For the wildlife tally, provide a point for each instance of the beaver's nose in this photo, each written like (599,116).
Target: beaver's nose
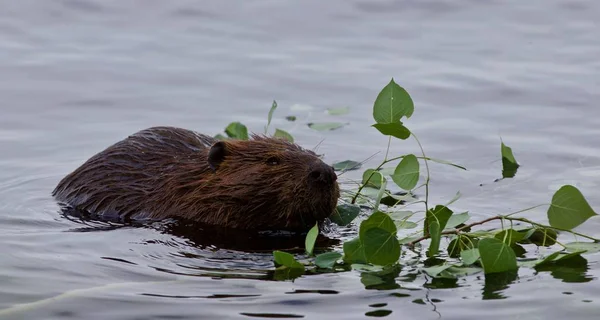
(322,173)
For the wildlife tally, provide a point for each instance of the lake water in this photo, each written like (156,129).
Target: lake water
(77,76)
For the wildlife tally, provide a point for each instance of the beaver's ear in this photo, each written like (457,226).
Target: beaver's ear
(217,154)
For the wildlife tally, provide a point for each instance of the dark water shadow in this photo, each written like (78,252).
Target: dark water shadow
(203,236)
(496,283)
(572,270)
(384,279)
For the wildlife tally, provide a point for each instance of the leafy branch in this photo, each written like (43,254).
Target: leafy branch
(377,248)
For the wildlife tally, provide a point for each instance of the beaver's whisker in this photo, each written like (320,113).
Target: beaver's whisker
(358,164)
(314,149)
(351,183)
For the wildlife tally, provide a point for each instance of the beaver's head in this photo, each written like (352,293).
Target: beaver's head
(270,183)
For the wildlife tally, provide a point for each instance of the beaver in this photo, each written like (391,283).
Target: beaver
(262,183)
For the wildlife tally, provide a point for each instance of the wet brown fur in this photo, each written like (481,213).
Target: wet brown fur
(163,172)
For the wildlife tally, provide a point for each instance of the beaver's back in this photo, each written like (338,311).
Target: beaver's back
(119,180)
(165,172)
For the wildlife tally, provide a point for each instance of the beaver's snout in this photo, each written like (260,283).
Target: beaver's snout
(322,173)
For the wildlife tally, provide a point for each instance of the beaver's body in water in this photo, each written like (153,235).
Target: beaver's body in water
(166,172)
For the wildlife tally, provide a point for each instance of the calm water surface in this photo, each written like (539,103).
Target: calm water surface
(76,76)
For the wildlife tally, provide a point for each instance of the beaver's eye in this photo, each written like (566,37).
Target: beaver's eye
(272,161)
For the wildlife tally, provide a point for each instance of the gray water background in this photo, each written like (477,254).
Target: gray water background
(76,76)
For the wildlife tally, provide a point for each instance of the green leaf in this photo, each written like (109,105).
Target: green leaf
(441,214)
(290,118)
(410,238)
(370,192)
(270,116)
(370,280)
(406,175)
(377,235)
(380,194)
(377,220)
(496,256)
(325,126)
(392,103)
(405,224)
(509,164)
(460,243)
(311,238)
(528,263)
(400,215)
(569,208)
(435,233)
(457,219)
(220,137)
(462,271)
(285,273)
(469,256)
(361,267)
(387,171)
(391,200)
(327,260)
(539,236)
(283,134)
(381,247)
(338,111)
(344,214)
(372,178)
(507,153)
(588,247)
(568,256)
(548,259)
(528,232)
(382,279)
(557,257)
(354,251)
(397,130)
(237,130)
(436,270)
(435,221)
(346,165)
(284,259)
(510,236)
(518,250)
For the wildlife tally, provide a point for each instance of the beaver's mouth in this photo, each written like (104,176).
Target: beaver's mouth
(321,205)
(327,202)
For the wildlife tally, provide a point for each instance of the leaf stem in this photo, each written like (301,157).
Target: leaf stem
(384,162)
(387,151)
(501,217)
(456,231)
(523,210)
(555,228)
(426,167)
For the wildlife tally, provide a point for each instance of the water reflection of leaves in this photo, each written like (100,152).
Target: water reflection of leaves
(384,279)
(572,270)
(496,283)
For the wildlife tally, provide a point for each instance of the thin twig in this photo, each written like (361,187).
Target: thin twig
(358,164)
(456,231)
(426,167)
(461,229)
